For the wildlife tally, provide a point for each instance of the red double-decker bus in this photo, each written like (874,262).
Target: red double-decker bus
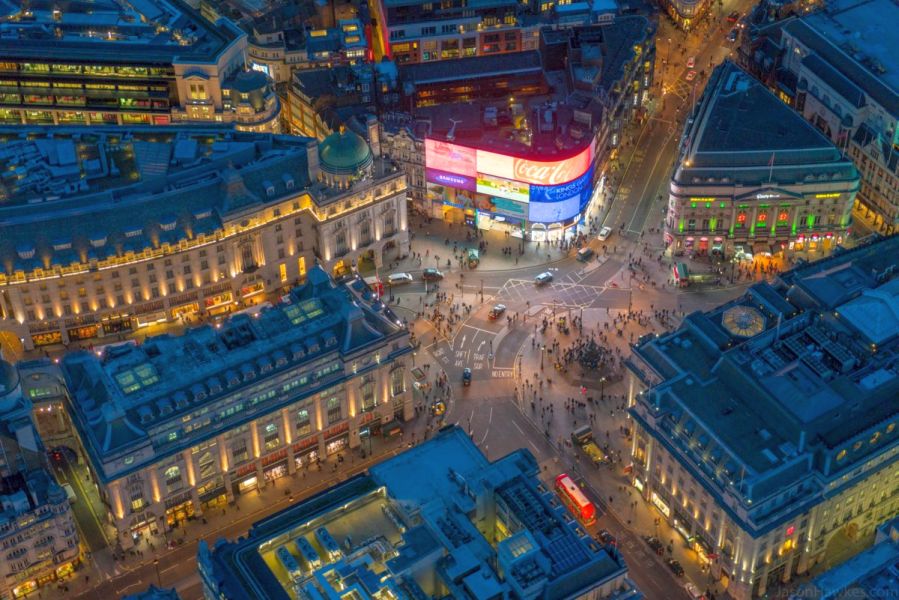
(573,498)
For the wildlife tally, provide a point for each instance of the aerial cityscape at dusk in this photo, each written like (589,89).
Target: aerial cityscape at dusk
(290,292)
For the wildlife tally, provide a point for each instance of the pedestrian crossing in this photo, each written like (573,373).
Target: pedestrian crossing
(682,89)
(564,294)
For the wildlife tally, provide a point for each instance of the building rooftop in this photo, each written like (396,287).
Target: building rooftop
(786,372)
(857,39)
(154,593)
(25,492)
(531,128)
(602,51)
(131,188)
(873,573)
(742,133)
(415,527)
(134,400)
(473,67)
(144,32)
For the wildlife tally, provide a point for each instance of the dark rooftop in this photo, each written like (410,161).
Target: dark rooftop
(807,366)
(472,68)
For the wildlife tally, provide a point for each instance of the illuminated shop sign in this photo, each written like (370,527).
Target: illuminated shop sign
(451,179)
(509,208)
(660,504)
(831,195)
(552,204)
(533,171)
(451,158)
(503,188)
(470,162)
(262,68)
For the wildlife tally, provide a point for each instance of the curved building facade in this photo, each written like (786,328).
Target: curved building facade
(156,63)
(113,229)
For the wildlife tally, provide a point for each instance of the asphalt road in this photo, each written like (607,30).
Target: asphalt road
(487,408)
(87,517)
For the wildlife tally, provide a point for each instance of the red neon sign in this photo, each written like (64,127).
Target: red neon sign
(467,161)
(451,158)
(538,172)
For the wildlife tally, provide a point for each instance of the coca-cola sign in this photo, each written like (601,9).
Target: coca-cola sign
(534,171)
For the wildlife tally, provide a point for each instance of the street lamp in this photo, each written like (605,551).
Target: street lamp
(602,388)
(542,355)
(156,566)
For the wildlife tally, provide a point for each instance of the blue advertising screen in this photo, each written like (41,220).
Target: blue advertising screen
(552,204)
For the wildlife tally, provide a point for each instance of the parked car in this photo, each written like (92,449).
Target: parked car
(691,62)
(496,312)
(543,278)
(584,254)
(733,17)
(431,274)
(675,567)
(604,233)
(399,278)
(466,376)
(656,544)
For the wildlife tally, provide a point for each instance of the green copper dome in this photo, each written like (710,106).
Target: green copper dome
(344,152)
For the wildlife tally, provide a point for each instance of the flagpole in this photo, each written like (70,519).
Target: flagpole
(771,167)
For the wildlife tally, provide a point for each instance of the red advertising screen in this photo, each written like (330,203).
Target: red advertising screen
(451,158)
(532,171)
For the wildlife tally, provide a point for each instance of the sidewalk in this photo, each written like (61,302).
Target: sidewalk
(552,412)
(437,241)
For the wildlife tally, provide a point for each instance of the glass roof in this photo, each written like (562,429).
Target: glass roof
(304,311)
(141,376)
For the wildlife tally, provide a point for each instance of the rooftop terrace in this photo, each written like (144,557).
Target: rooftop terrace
(409,529)
(164,32)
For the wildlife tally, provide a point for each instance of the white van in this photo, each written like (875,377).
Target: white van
(399,278)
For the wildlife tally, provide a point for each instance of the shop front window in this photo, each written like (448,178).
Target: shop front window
(272,440)
(173,480)
(304,425)
(239,452)
(335,410)
(368,395)
(207,466)
(397,381)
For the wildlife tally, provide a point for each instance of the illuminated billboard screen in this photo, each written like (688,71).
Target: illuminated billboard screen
(533,171)
(451,180)
(505,207)
(451,158)
(556,203)
(503,188)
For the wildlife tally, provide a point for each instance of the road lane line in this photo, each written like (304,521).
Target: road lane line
(520,430)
